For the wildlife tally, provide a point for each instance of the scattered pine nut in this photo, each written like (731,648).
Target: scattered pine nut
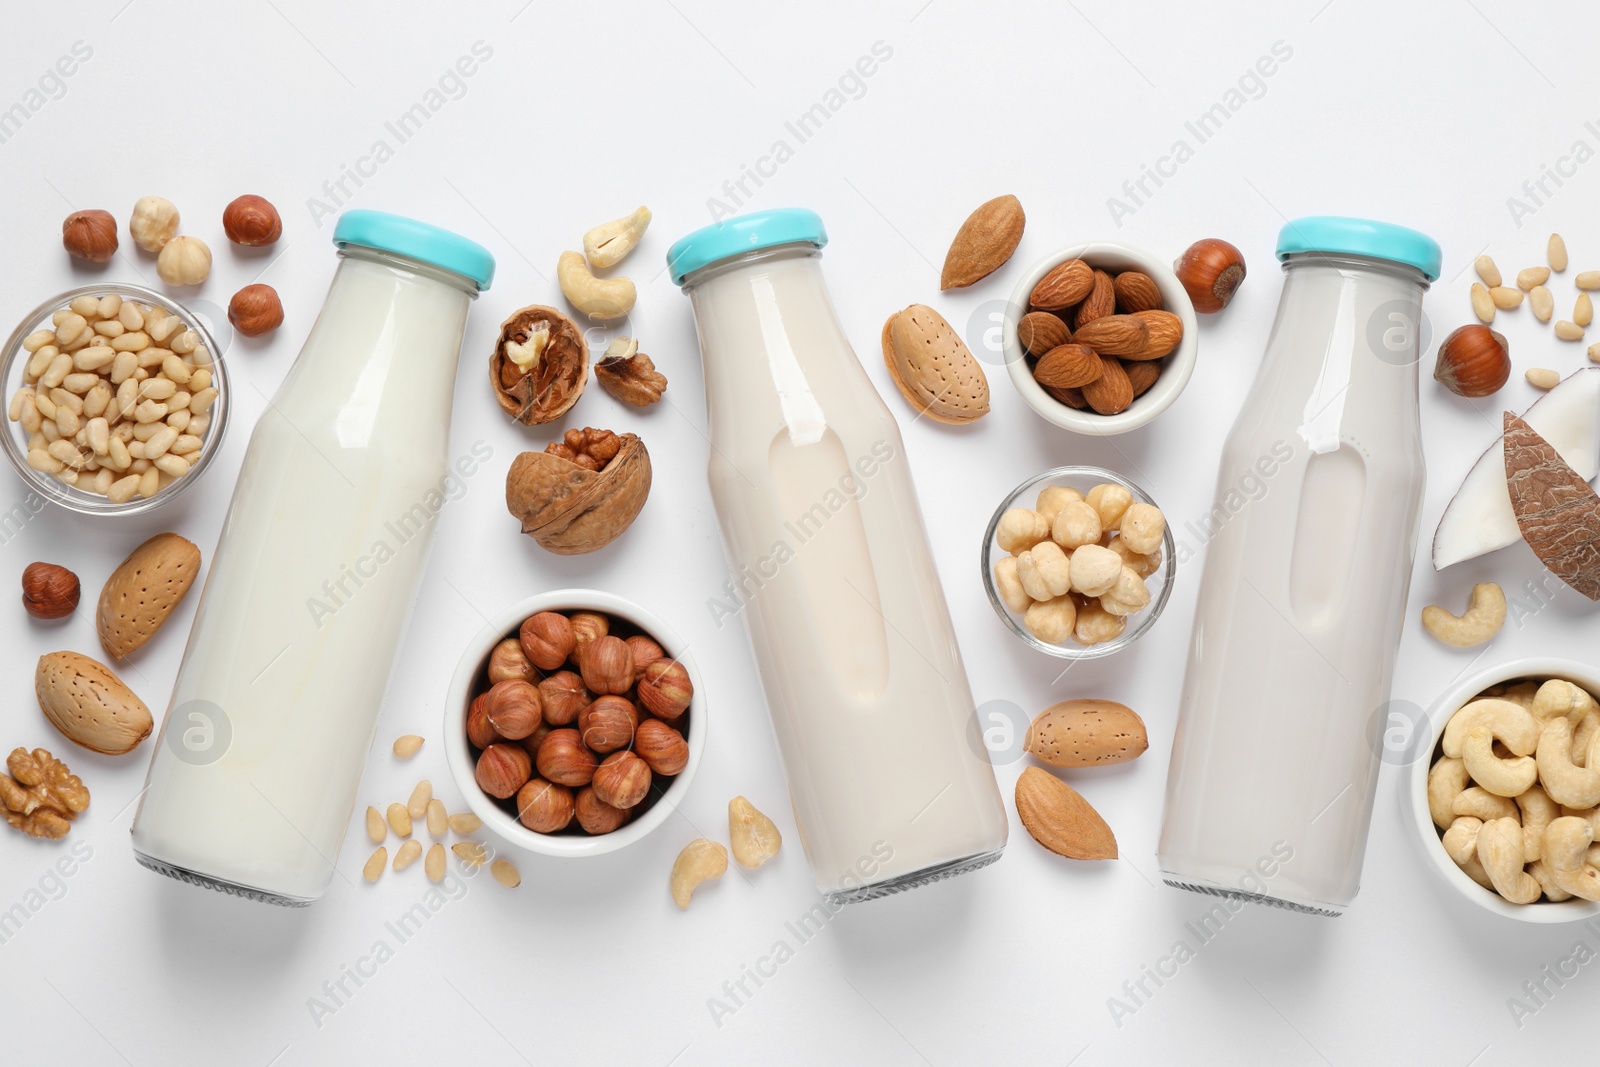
(1543,378)
(375,864)
(1505,297)
(1569,331)
(1583,310)
(1556,253)
(1543,303)
(375,827)
(1594,353)
(465,823)
(1487,271)
(409,853)
(1532,276)
(400,820)
(433,866)
(417,806)
(505,873)
(472,853)
(407,746)
(438,822)
(1589,279)
(1482,304)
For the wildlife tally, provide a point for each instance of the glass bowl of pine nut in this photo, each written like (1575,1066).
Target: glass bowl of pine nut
(116,399)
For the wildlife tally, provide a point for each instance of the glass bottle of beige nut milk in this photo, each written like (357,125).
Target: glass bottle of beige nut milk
(890,781)
(254,775)
(1275,762)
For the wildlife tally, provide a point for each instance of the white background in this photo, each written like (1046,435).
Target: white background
(1428,114)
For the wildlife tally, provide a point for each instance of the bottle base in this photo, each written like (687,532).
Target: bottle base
(927,876)
(1196,885)
(205,881)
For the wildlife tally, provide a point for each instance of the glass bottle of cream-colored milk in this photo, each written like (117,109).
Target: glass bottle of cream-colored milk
(254,775)
(1308,561)
(890,780)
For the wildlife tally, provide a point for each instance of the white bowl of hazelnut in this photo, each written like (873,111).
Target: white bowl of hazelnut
(574,723)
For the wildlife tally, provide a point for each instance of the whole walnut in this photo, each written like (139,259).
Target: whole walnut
(580,493)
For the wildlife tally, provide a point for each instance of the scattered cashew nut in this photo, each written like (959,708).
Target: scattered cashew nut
(598,298)
(1510,723)
(700,861)
(1500,852)
(609,243)
(1485,614)
(754,837)
(1566,842)
(1538,812)
(1479,802)
(1502,777)
(1446,781)
(1568,784)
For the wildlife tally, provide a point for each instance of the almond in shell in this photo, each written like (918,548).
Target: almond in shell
(1040,331)
(1068,367)
(144,589)
(1061,820)
(1087,733)
(1136,291)
(984,242)
(1114,335)
(932,366)
(1112,391)
(1066,284)
(1164,329)
(1100,302)
(89,704)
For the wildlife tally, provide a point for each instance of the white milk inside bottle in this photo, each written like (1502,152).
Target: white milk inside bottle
(254,774)
(890,780)
(1279,737)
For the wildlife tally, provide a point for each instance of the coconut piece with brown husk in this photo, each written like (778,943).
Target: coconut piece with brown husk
(539,366)
(581,492)
(1557,511)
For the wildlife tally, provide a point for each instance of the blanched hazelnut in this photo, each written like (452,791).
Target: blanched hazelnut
(1021,529)
(1144,564)
(479,732)
(1044,571)
(1094,569)
(1110,501)
(1095,624)
(595,815)
(544,807)
(547,639)
(514,708)
(255,309)
(184,261)
(1051,621)
(1009,585)
(665,690)
(606,664)
(564,760)
(564,697)
(502,769)
(1128,595)
(607,724)
(660,746)
(1052,498)
(1078,523)
(1142,527)
(90,235)
(251,220)
(154,223)
(622,780)
(507,662)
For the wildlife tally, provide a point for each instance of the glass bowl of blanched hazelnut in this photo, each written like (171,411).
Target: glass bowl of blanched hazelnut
(115,399)
(1078,562)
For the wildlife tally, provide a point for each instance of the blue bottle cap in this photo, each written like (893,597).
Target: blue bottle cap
(743,233)
(416,240)
(1360,237)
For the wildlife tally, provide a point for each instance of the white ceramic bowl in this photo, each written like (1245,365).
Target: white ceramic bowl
(1175,373)
(466,681)
(1538,668)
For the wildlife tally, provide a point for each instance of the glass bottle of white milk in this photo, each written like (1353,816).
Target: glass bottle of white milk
(889,778)
(254,775)
(1308,562)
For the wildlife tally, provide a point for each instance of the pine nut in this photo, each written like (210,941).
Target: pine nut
(70,328)
(149,482)
(131,317)
(1529,277)
(465,823)
(59,368)
(202,400)
(400,820)
(102,481)
(162,329)
(200,379)
(1569,331)
(42,460)
(149,411)
(1589,279)
(434,864)
(409,853)
(157,389)
(179,420)
(67,476)
(14,411)
(137,341)
(1583,310)
(1482,305)
(1594,353)
(377,829)
(79,383)
(170,465)
(96,400)
(122,489)
(110,305)
(110,329)
(1543,378)
(505,873)
(1556,253)
(1543,303)
(117,454)
(184,342)
(375,864)
(41,361)
(472,853)
(438,821)
(93,357)
(185,444)
(1505,297)
(159,442)
(99,436)
(417,806)
(406,745)
(1487,271)
(40,338)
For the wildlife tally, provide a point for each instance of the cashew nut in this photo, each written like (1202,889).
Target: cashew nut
(1588,815)
(1520,693)
(1474,870)
(1446,780)
(1479,802)
(755,838)
(1506,778)
(1538,811)
(1560,697)
(1567,783)
(1485,614)
(598,298)
(1461,840)
(1547,882)
(1583,737)
(1566,842)
(1500,852)
(700,861)
(1510,723)
(608,243)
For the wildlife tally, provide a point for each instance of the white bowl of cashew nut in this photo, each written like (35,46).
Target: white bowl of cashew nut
(1507,803)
